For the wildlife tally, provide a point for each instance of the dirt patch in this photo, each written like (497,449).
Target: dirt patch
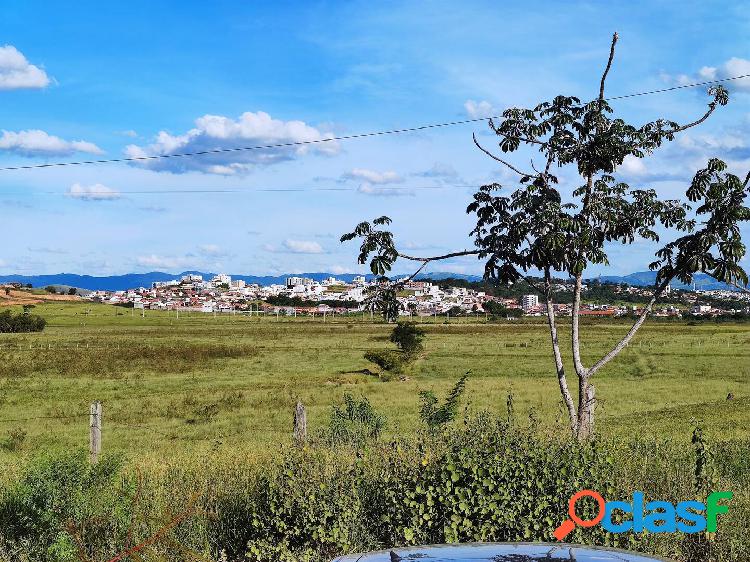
(20,298)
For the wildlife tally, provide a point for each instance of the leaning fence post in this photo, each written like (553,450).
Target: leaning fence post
(300,423)
(95,431)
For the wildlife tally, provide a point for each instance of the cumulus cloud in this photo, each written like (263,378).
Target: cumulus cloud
(95,192)
(17,73)
(372,176)
(633,166)
(480,109)
(35,142)
(303,247)
(214,132)
(735,66)
(373,182)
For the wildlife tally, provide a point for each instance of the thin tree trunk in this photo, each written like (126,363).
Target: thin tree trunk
(629,336)
(559,366)
(575,327)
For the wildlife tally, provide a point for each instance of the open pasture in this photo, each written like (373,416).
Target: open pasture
(199,383)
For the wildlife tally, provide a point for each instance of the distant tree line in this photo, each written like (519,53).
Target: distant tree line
(283,300)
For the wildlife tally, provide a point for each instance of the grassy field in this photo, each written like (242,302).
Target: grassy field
(201,383)
(200,404)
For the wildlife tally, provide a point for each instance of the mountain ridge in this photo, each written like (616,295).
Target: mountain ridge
(135,280)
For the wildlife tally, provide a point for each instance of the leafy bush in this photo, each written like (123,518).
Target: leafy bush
(16,323)
(408,338)
(355,422)
(56,494)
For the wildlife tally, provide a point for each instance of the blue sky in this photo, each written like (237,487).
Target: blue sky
(84,80)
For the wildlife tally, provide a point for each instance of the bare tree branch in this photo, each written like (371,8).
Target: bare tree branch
(711,108)
(606,70)
(747,180)
(427,260)
(438,258)
(508,164)
(629,336)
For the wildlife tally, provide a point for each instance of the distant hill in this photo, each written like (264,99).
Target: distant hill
(135,280)
(648,278)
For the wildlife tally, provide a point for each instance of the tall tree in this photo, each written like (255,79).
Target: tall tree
(536,230)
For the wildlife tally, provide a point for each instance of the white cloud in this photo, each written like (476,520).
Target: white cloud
(164,262)
(372,176)
(633,166)
(733,67)
(95,192)
(129,133)
(339,269)
(212,132)
(303,247)
(17,73)
(35,142)
(480,109)
(3,263)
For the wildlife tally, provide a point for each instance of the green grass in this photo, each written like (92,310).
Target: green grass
(202,383)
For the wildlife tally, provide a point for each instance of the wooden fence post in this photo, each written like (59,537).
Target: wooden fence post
(95,431)
(300,423)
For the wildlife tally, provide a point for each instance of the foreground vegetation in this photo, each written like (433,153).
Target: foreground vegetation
(482,479)
(197,424)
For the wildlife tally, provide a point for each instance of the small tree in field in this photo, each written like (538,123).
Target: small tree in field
(408,338)
(534,229)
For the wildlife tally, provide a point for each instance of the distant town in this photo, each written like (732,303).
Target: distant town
(305,296)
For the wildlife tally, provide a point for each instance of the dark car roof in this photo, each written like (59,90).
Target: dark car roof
(501,552)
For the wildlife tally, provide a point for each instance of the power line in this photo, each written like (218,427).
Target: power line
(334,139)
(248,148)
(671,89)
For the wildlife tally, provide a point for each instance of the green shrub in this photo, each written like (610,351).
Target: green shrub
(408,338)
(386,359)
(57,494)
(16,323)
(355,422)
(14,440)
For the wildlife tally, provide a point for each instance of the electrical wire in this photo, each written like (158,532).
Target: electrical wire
(335,138)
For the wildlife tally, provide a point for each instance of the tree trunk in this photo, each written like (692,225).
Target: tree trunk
(559,366)
(586,407)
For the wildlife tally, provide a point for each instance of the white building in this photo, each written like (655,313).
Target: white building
(359,280)
(529,301)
